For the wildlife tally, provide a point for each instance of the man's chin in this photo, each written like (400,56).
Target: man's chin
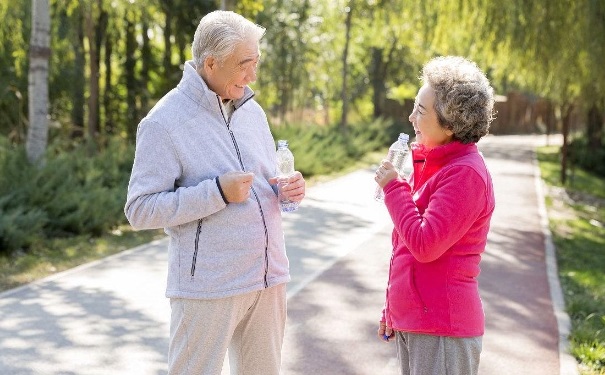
(238,93)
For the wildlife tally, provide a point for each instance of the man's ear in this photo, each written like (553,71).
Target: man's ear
(210,64)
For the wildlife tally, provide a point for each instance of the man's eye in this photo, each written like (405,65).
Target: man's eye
(248,65)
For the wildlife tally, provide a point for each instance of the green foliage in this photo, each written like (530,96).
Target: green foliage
(13,68)
(20,224)
(71,194)
(577,222)
(323,150)
(579,180)
(581,256)
(585,157)
(78,194)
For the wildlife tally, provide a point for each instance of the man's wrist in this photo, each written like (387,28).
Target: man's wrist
(220,190)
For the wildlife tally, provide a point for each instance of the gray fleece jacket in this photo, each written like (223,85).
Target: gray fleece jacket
(185,142)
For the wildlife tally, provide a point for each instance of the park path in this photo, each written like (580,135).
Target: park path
(110,316)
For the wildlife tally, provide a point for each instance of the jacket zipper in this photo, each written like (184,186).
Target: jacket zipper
(197,242)
(420,175)
(262,214)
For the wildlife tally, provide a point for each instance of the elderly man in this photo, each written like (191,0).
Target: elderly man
(205,171)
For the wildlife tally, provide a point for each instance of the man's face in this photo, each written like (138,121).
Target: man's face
(229,78)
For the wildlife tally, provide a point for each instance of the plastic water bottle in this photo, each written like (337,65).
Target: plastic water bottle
(398,153)
(285,168)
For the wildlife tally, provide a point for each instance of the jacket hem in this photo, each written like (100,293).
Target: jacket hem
(170,293)
(442,333)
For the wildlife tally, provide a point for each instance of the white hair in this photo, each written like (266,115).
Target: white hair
(218,34)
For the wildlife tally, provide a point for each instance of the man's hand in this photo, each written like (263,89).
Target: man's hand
(236,185)
(293,188)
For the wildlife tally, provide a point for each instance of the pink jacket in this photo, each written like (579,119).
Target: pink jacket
(441,221)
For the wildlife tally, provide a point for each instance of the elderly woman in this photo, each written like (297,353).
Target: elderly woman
(441,218)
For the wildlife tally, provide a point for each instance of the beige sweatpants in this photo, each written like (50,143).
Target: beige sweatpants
(250,325)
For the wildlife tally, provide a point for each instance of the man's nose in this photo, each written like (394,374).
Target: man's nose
(251,74)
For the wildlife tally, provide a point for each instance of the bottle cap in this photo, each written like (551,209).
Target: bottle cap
(404,137)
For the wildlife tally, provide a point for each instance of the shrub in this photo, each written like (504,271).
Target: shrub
(587,158)
(72,194)
(326,149)
(75,193)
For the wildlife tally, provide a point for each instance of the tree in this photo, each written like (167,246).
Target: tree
(14,62)
(228,4)
(37,135)
(284,53)
(92,12)
(345,67)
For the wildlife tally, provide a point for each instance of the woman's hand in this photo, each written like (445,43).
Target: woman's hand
(385,333)
(385,173)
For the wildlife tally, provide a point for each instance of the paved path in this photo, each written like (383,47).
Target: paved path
(110,316)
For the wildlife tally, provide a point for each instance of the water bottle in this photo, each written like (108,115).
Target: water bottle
(398,153)
(285,168)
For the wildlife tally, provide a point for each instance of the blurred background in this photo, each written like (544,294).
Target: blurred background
(337,80)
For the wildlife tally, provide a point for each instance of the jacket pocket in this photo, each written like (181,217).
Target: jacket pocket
(415,290)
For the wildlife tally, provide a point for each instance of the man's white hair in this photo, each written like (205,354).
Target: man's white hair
(218,34)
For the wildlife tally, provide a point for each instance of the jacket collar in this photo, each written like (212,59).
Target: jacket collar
(441,155)
(194,86)
(428,161)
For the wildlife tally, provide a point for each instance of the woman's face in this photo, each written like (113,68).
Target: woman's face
(229,78)
(424,119)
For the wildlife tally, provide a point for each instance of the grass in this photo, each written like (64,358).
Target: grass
(577,222)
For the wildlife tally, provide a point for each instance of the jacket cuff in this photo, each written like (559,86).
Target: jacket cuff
(220,190)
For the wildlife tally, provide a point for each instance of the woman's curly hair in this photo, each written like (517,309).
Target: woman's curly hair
(464,99)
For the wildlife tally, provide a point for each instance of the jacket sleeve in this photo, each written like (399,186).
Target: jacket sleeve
(457,200)
(154,200)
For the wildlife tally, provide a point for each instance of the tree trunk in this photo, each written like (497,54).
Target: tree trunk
(167,61)
(93,62)
(377,77)
(107,94)
(37,135)
(146,58)
(228,4)
(100,35)
(345,71)
(131,82)
(79,82)
(594,128)
(566,111)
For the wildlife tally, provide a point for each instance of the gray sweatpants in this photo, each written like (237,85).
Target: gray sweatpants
(250,325)
(438,355)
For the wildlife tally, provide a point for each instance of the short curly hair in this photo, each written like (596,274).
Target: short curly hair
(464,98)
